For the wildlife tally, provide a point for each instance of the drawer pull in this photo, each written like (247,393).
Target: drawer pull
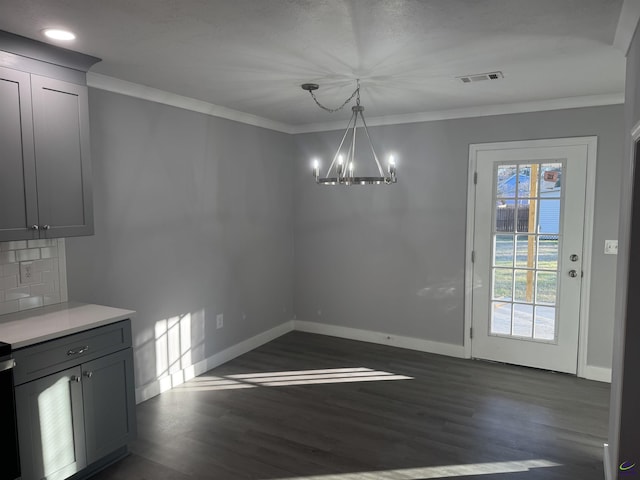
(88,374)
(78,351)
(75,378)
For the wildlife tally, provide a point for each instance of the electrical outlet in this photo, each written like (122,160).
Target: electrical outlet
(219,321)
(26,272)
(611,247)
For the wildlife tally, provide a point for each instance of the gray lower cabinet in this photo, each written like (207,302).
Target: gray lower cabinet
(50,416)
(109,403)
(72,420)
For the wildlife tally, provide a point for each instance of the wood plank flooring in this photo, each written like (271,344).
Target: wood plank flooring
(450,418)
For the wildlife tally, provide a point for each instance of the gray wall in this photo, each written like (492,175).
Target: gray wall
(197,215)
(391,259)
(624,415)
(193,216)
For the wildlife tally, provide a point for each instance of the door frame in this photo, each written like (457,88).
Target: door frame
(591,142)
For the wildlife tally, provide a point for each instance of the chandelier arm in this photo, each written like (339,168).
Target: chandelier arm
(332,110)
(353,146)
(375,157)
(335,157)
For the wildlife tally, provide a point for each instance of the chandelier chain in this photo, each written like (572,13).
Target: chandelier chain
(348,100)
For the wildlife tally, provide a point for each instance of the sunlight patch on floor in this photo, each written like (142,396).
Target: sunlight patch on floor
(445,471)
(288,378)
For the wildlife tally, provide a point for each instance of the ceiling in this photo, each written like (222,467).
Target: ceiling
(252,55)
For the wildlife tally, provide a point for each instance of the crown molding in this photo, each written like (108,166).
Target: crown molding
(115,85)
(45,52)
(123,87)
(627,24)
(480,111)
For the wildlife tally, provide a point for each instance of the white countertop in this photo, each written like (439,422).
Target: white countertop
(29,327)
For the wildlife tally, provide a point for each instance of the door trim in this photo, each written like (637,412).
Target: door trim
(591,143)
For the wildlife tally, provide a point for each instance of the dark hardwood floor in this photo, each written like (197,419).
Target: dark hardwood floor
(450,418)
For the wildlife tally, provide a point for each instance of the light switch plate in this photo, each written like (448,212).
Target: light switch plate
(611,247)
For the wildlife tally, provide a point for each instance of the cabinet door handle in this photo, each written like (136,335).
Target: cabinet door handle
(46,227)
(75,378)
(7,365)
(78,351)
(35,227)
(88,374)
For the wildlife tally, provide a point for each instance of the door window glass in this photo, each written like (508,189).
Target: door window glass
(526,246)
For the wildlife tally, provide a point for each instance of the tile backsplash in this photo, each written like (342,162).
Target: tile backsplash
(33,273)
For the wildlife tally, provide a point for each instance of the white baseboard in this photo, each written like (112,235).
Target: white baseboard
(166,383)
(380,338)
(156,387)
(606,459)
(599,374)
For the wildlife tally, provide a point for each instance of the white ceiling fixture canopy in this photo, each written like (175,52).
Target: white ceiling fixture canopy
(251,55)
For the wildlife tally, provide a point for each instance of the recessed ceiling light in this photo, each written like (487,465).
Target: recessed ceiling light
(58,34)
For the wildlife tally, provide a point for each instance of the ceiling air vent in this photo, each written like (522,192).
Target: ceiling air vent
(480,77)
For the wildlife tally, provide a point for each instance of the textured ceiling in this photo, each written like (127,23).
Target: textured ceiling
(252,55)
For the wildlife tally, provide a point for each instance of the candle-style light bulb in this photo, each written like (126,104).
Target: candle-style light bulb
(316,168)
(340,167)
(392,170)
(351,168)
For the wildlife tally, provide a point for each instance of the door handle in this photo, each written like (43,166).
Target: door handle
(573,273)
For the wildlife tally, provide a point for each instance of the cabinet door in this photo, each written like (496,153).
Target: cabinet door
(50,421)
(18,202)
(61,132)
(109,403)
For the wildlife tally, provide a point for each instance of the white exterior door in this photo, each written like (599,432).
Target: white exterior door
(528,252)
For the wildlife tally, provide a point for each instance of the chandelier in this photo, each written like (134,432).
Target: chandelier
(343,166)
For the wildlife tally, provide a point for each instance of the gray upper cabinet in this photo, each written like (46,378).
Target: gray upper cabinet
(61,137)
(18,201)
(45,167)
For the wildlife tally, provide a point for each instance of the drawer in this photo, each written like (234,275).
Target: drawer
(69,351)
